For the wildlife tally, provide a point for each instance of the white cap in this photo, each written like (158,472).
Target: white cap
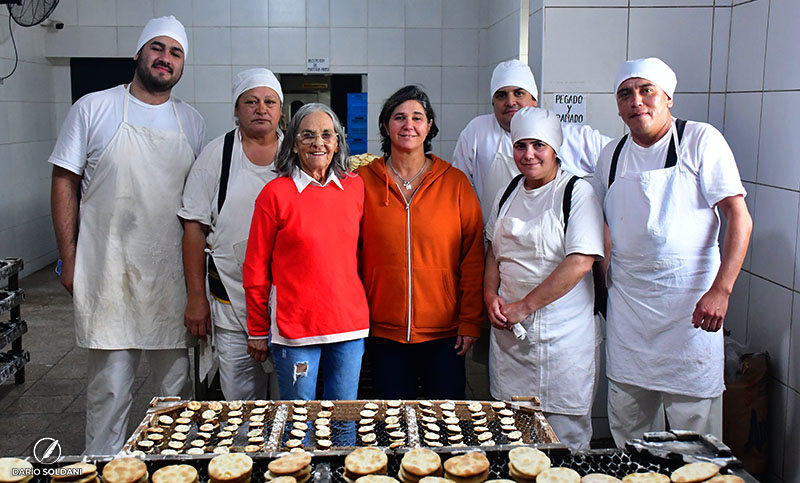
(536,123)
(513,73)
(653,69)
(259,77)
(169,26)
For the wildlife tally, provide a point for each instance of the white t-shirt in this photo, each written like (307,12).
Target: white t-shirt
(200,194)
(94,119)
(703,150)
(478,144)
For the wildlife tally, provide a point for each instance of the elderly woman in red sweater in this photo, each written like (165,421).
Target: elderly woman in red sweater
(421,257)
(305,301)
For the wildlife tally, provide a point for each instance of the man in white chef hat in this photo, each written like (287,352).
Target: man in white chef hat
(125,153)
(661,188)
(484,149)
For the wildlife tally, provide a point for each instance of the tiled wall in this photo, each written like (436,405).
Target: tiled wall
(29,103)
(737,68)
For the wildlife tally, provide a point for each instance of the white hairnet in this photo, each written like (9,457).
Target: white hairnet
(513,73)
(259,77)
(169,26)
(536,123)
(653,69)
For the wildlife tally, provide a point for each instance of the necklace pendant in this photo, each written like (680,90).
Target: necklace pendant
(407,185)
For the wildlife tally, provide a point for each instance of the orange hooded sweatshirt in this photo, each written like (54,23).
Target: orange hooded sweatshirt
(422,267)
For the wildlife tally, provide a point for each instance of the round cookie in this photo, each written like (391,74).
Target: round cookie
(558,475)
(175,474)
(124,470)
(230,467)
(694,472)
(421,462)
(650,477)
(467,465)
(365,461)
(599,478)
(289,464)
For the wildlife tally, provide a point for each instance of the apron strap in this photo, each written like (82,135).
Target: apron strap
(672,152)
(227,152)
(509,189)
(566,205)
(612,172)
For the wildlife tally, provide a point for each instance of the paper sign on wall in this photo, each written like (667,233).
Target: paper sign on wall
(570,107)
(319,64)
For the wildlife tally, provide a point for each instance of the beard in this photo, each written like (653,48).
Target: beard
(153,83)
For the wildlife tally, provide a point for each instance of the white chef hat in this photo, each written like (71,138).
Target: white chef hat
(653,69)
(536,123)
(169,26)
(259,77)
(513,73)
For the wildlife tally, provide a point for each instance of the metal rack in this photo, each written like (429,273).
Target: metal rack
(12,362)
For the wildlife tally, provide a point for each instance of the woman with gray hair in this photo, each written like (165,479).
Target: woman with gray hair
(305,302)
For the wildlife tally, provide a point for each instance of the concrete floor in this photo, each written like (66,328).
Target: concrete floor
(52,401)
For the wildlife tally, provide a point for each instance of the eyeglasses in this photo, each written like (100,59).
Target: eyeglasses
(308,137)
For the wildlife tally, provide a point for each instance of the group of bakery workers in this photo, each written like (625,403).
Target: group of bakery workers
(286,263)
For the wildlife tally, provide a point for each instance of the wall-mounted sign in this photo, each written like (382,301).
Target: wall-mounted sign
(570,107)
(319,64)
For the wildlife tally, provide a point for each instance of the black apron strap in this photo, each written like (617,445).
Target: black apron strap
(509,189)
(567,203)
(672,153)
(612,172)
(225,171)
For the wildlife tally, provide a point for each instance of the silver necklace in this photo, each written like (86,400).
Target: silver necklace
(406,182)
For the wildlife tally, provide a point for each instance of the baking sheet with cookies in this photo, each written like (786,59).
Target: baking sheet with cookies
(173,427)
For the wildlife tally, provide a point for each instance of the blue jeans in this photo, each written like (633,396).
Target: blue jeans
(297,369)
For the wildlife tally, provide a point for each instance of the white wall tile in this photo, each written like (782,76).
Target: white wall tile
(460,47)
(348,13)
(452,120)
(503,40)
(595,48)
(750,200)
(483,47)
(348,46)
(287,13)
(134,13)
(373,111)
(719,48)
(211,13)
(671,3)
(748,42)
(249,13)
(250,45)
(446,149)
(460,13)
(779,151)
(318,43)
(777,420)
(742,116)
(792,442)
(585,3)
(681,37)
(794,352)
(181,9)
(535,41)
(386,13)
(460,85)
(736,318)
(66,12)
(386,46)
(318,13)
(601,114)
(218,116)
(775,234)
(498,10)
(83,42)
(184,89)
(383,81)
(212,83)
(722,3)
(716,111)
(782,62)
(423,46)
(97,12)
(287,46)
(768,326)
(691,106)
(212,46)
(127,37)
(423,13)
(62,87)
(429,79)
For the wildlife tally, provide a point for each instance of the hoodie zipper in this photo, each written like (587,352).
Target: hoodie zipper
(408,252)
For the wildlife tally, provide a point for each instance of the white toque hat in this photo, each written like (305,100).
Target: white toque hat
(259,77)
(513,73)
(169,26)
(536,123)
(653,69)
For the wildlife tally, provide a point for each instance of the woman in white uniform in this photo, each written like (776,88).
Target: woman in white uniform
(543,239)
(220,229)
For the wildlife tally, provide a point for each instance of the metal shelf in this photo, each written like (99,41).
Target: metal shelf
(10,299)
(10,266)
(10,331)
(11,363)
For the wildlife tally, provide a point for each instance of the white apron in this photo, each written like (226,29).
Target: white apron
(665,257)
(501,172)
(557,360)
(129,289)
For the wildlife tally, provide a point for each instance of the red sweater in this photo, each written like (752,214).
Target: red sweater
(303,246)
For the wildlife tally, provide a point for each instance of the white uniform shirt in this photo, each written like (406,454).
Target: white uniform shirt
(478,144)
(200,197)
(94,119)
(658,272)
